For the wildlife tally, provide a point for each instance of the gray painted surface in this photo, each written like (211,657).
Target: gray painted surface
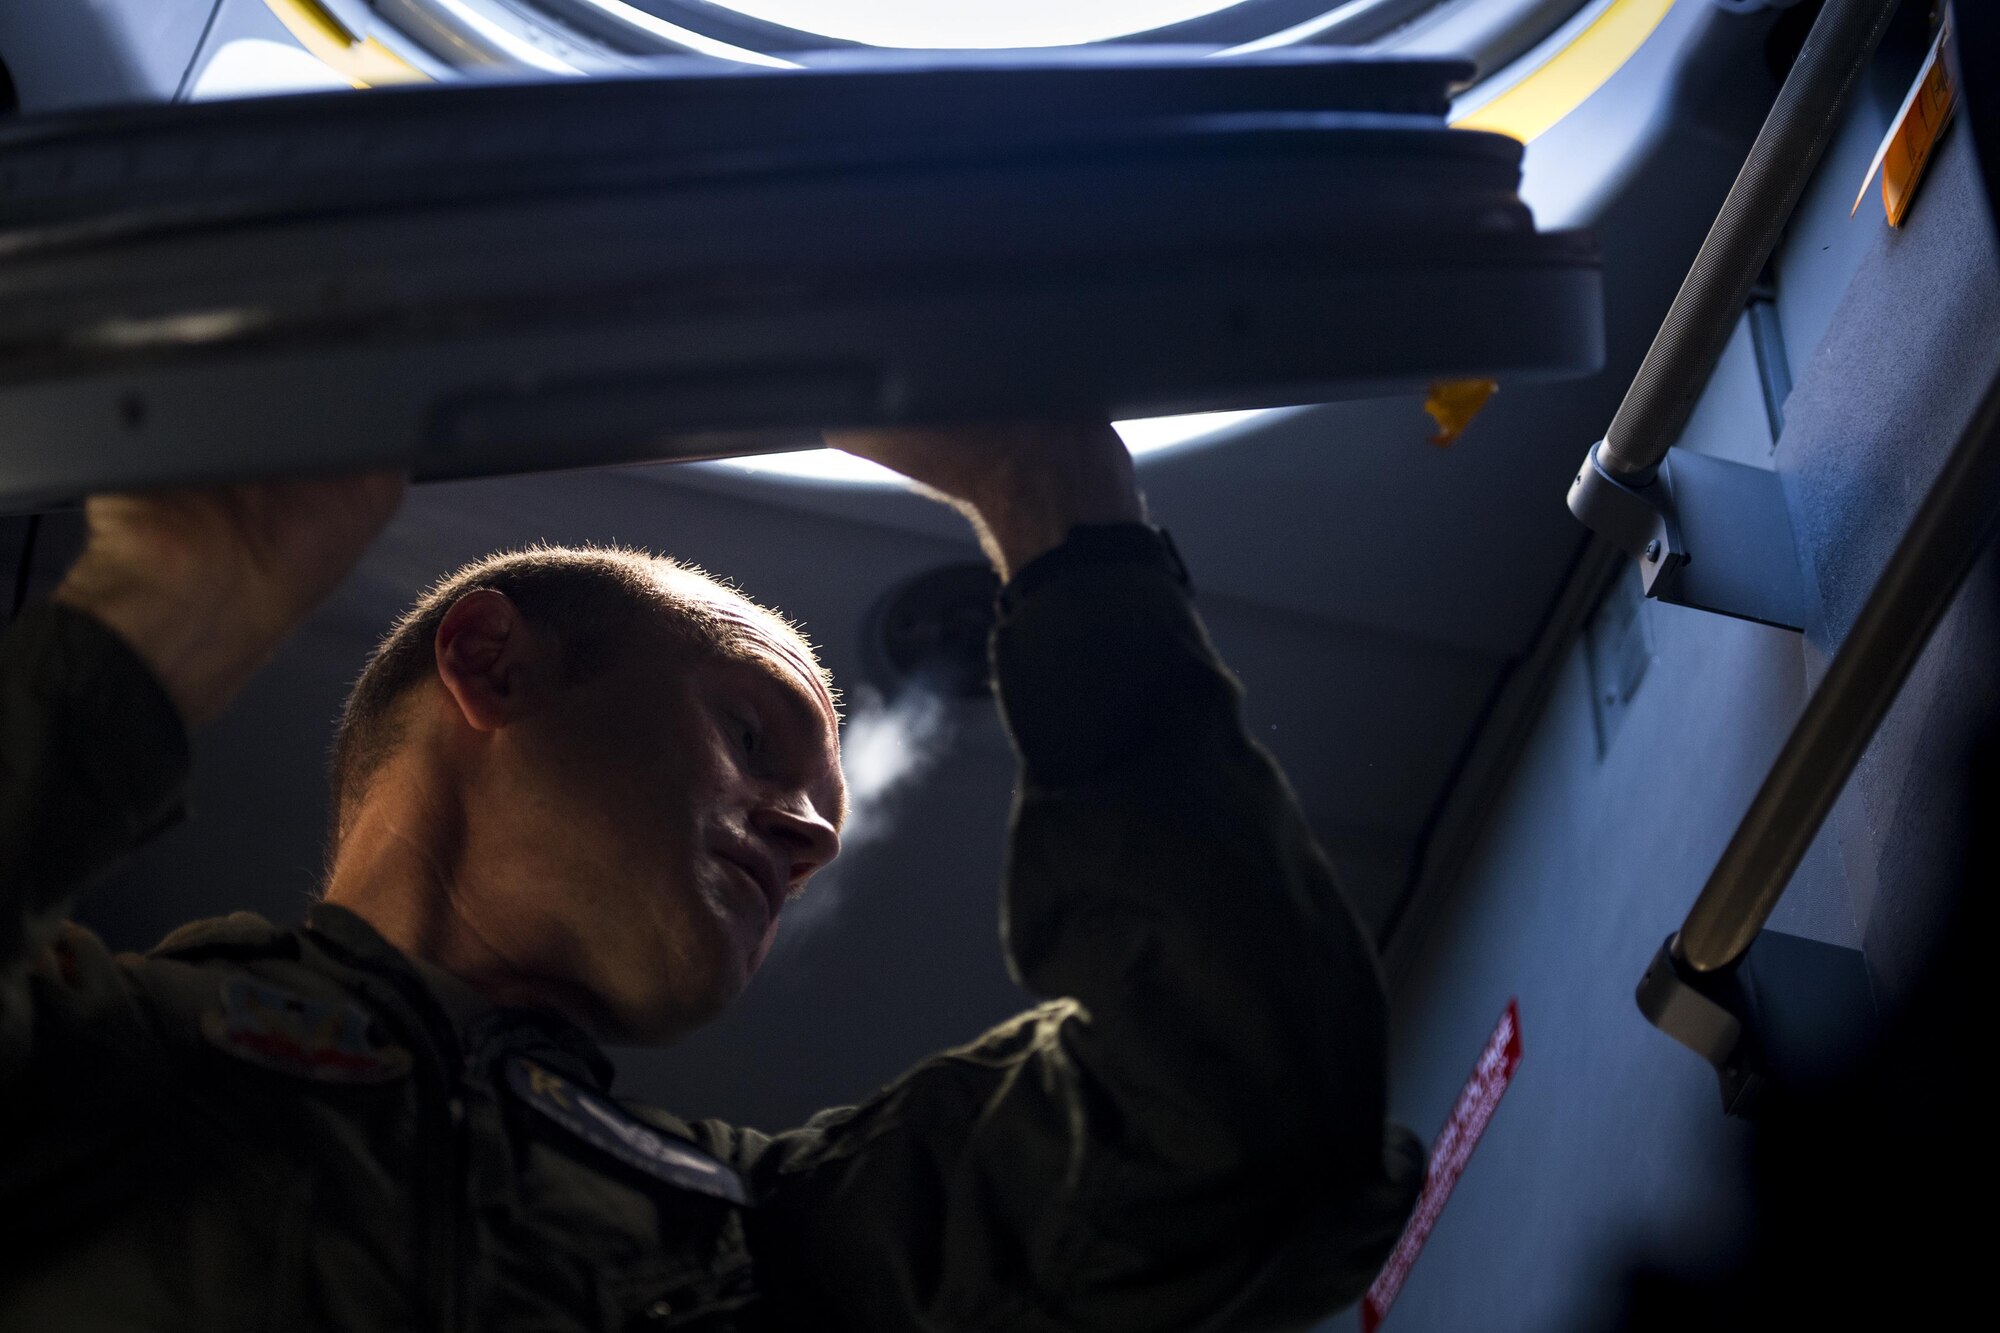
(99,52)
(1611,1144)
(1730,421)
(1611,1136)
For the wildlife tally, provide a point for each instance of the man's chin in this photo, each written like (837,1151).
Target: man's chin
(663,1020)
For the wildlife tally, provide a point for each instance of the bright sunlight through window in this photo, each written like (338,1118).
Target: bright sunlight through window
(975,23)
(1141,437)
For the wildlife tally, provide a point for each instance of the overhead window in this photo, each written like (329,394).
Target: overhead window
(771,26)
(1506,40)
(975,23)
(584,34)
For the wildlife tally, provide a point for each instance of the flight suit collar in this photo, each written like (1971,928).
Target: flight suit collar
(482,1032)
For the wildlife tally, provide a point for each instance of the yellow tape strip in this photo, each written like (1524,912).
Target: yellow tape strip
(1553,89)
(1524,111)
(1562,82)
(365,63)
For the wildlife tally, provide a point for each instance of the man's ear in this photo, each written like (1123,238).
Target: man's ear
(490,661)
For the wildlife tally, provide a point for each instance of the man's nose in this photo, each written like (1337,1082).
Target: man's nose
(800,834)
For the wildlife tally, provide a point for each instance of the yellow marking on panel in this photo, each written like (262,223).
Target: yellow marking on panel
(1563,81)
(1524,111)
(1453,404)
(365,63)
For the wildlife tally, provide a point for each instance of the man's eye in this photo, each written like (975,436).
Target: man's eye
(748,735)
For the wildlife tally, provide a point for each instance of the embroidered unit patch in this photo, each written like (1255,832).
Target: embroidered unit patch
(329,1040)
(604,1124)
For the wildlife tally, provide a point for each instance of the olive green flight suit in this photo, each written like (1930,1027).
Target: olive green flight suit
(1189,1133)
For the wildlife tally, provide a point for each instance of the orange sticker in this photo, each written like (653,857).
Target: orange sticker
(1454,403)
(1915,130)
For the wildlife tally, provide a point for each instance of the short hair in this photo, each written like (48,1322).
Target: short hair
(589,599)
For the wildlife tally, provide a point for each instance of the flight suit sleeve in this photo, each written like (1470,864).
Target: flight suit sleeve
(1190,1133)
(93,760)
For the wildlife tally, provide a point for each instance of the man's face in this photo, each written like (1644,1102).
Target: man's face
(652,821)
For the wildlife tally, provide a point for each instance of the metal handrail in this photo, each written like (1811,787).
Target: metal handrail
(1952,526)
(1704,313)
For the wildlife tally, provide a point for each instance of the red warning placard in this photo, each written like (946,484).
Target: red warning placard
(1449,1154)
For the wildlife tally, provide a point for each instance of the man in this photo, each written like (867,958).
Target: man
(574,812)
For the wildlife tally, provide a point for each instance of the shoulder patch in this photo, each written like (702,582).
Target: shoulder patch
(332,1041)
(605,1125)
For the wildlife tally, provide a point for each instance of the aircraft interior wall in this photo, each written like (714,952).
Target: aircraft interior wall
(1609,1148)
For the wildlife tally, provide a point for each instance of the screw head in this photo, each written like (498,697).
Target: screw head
(1652,551)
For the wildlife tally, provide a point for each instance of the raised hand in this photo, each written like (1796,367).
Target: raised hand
(1024,485)
(205,583)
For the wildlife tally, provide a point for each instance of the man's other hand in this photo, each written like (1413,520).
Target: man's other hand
(206,583)
(1024,485)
